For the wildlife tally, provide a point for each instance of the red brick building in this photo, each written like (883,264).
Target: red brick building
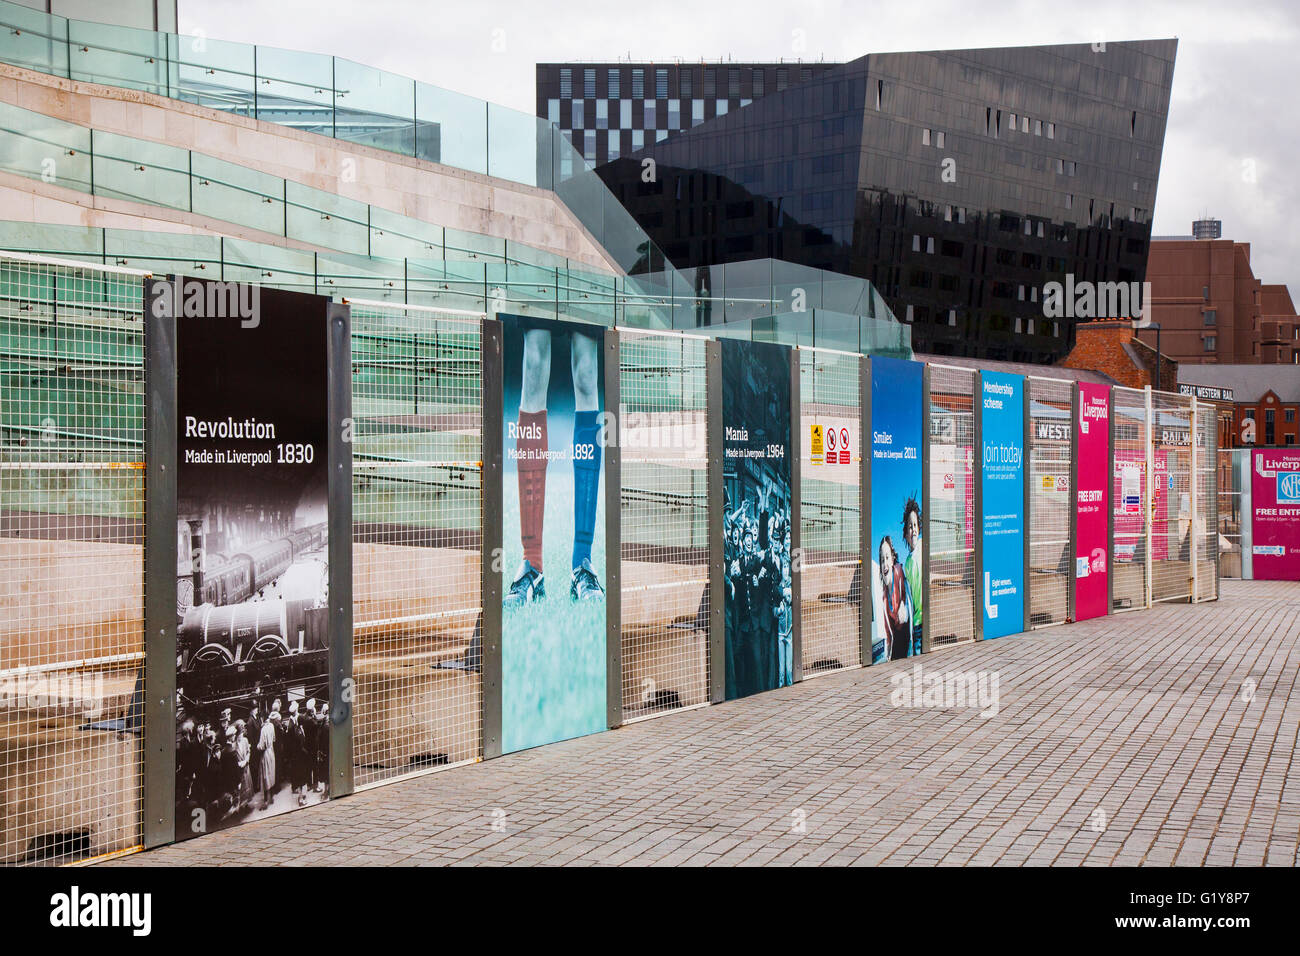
(1212,309)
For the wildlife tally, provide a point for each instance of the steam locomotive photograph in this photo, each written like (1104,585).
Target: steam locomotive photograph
(252,575)
(252,660)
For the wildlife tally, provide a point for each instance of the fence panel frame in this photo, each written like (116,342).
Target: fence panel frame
(859,413)
(340,549)
(493,584)
(613,464)
(717,567)
(160,558)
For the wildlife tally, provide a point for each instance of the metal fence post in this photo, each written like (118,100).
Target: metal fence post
(160,545)
(1072,553)
(795,458)
(927,605)
(613,537)
(1110,499)
(977,501)
(491,585)
(864,523)
(1149,505)
(717,572)
(1193,535)
(342,688)
(1026,507)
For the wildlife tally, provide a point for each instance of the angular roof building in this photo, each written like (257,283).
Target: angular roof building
(958,182)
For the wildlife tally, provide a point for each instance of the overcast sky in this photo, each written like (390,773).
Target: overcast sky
(1233,141)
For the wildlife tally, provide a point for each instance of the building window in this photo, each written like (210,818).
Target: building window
(1289,414)
(1211,316)
(1211,343)
(589,84)
(733,83)
(553,112)
(684,84)
(1038,127)
(939,139)
(916,243)
(589,145)
(697,112)
(783,80)
(661,84)
(674,114)
(757,77)
(613,92)
(710,83)
(575,118)
(638,84)
(1205,293)
(566,84)
(602,114)
(1024,124)
(638,139)
(1051,131)
(721,108)
(613,143)
(624,114)
(649,115)
(925,137)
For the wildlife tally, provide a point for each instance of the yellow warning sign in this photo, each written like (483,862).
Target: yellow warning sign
(816,445)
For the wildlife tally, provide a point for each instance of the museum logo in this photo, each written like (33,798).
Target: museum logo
(203,299)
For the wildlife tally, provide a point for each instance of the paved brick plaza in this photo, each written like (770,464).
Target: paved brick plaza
(1141,715)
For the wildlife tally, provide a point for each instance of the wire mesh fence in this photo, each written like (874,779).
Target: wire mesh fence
(950,608)
(417,511)
(1051,499)
(1230,512)
(665,523)
(1171,507)
(1206,526)
(830,398)
(1130,496)
(71,560)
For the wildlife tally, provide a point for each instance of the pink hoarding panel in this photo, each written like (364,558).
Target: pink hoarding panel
(1275,514)
(1092,554)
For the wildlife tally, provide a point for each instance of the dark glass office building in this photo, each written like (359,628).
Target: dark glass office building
(958,182)
(613,109)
